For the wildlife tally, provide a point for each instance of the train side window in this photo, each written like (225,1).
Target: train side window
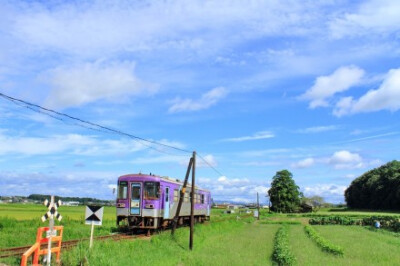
(202,198)
(176,195)
(186,198)
(123,190)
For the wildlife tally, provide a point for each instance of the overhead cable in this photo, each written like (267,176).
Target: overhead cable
(92,126)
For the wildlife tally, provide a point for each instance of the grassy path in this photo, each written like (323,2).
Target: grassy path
(307,252)
(225,243)
(363,247)
(252,245)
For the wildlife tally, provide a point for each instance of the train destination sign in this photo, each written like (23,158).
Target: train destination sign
(94,215)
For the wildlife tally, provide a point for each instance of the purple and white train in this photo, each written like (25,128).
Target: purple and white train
(150,202)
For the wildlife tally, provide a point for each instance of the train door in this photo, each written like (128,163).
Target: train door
(135,198)
(166,203)
(208,205)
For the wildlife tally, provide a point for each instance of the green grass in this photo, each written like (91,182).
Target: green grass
(226,240)
(19,223)
(362,246)
(224,243)
(307,252)
(36,211)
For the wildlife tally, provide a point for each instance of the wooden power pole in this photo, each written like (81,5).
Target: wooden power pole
(192,202)
(191,167)
(258,208)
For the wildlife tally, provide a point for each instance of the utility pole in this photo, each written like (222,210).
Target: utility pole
(182,195)
(192,202)
(258,208)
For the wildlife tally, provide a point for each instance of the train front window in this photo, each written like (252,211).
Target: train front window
(123,190)
(151,190)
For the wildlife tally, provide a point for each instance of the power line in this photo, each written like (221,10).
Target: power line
(90,123)
(53,114)
(210,165)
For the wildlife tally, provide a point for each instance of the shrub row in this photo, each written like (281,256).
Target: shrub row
(322,242)
(387,222)
(342,220)
(282,254)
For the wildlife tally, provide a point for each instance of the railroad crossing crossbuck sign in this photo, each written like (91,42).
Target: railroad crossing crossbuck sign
(52,206)
(94,214)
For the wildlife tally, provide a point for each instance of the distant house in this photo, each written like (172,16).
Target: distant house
(232,207)
(306,207)
(71,203)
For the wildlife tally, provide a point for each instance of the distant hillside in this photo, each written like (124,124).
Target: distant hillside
(378,189)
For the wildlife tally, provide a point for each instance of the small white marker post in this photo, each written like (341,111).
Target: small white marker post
(93,216)
(91,235)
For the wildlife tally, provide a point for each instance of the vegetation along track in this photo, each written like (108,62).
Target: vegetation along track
(18,251)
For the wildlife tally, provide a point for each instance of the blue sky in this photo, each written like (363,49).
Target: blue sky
(308,86)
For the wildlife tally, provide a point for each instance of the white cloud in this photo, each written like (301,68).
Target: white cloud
(81,84)
(386,97)
(99,27)
(346,160)
(96,184)
(331,192)
(235,181)
(326,86)
(154,158)
(308,162)
(42,146)
(379,17)
(255,136)
(74,144)
(210,160)
(207,100)
(224,188)
(317,129)
(159,159)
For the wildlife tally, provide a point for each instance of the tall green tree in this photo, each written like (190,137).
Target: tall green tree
(377,189)
(284,194)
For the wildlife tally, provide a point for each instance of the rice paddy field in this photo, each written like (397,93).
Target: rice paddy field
(228,239)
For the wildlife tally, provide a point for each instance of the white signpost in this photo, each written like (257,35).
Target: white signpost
(93,216)
(255,215)
(52,212)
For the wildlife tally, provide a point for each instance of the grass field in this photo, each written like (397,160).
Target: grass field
(226,240)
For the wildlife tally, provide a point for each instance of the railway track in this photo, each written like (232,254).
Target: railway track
(18,251)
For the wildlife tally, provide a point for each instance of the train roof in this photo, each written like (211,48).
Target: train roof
(162,178)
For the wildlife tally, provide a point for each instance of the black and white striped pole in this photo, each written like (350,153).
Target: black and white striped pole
(50,214)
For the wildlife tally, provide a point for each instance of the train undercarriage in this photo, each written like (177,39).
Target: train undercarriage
(131,223)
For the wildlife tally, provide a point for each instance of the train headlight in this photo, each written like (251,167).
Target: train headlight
(149,206)
(120,205)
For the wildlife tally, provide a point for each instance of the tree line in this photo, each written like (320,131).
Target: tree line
(377,189)
(40,197)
